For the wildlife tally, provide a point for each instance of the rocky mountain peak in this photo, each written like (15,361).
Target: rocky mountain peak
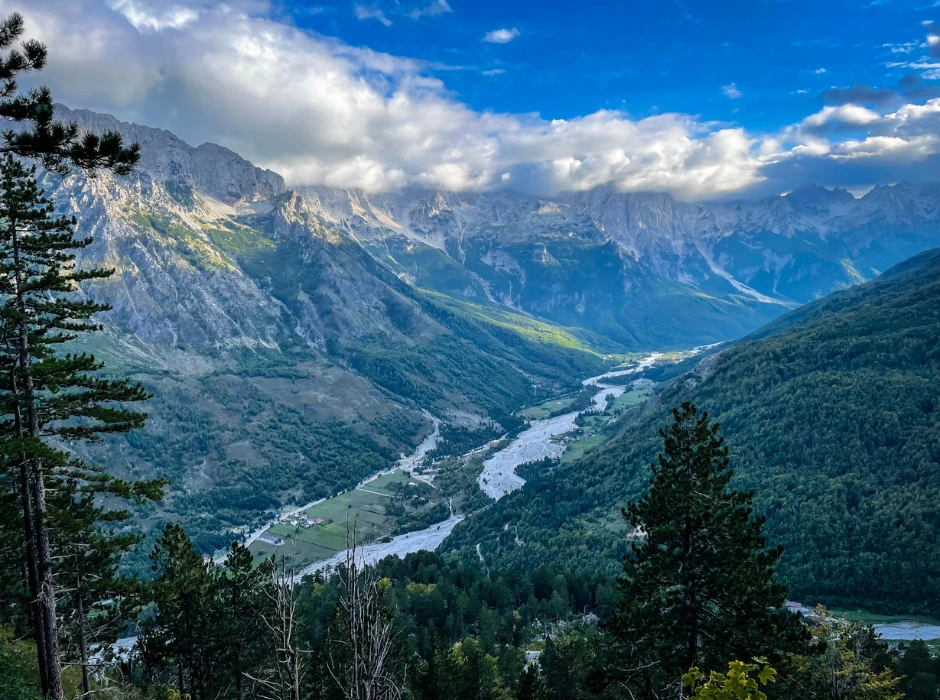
(815,199)
(210,169)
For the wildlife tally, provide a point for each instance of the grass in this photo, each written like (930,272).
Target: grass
(543,410)
(868,618)
(528,327)
(596,426)
(365,506)
(629,399)
(191,244)
(238,240)
(576,450)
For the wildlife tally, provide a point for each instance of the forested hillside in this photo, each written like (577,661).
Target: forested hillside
(831,414)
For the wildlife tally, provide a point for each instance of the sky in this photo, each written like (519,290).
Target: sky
(702,99)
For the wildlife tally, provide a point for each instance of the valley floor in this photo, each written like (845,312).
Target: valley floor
(315,535)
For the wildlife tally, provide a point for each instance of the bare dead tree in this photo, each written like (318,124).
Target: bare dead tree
(285,679)
(361,651)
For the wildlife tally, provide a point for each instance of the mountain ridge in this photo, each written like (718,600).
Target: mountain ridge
(830,416)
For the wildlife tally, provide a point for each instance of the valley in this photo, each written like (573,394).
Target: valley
(316,536)
(541,440)
(547,440)
(298,341)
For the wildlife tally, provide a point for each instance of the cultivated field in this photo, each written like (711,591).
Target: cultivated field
(367,507)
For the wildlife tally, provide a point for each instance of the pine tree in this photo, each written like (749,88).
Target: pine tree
(179,638)
(45,397)
(56,145)
(698,589)
(14,595)
(97,600)
(241,606)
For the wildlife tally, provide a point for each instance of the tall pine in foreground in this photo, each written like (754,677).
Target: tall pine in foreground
(45,398)
(698,589)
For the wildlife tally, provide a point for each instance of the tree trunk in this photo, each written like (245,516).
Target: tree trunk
(47,609)
(237,642)
(238,671)
(33,581)
(83,642)
(32,578)
(689,600)
(43,559)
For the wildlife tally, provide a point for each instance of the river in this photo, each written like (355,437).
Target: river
(428,539)
(498,478)
(535,442)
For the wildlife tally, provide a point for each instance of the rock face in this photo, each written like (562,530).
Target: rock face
(209,169)
(286,361)
(642,269)
(211,252)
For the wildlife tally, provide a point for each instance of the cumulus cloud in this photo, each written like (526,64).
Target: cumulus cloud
(381,14)
(155,19)
(731,91)
(501,36)
(850,114)
(322,112)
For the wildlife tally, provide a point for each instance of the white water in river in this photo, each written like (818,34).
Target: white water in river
(428,539)
(535,443)
(531,445)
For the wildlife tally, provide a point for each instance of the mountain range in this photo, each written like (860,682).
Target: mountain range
(282,330)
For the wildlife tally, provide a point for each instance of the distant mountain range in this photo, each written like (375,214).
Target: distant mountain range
(641,269)
(277,327)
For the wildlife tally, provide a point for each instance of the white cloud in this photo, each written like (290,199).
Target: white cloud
(905,47)
(146,18)
(322,112)
(494,71)
(820,71)
(913,113)
(501,36)
(363,12)
(844,114)
(438,7)
(731,91)
(889,148)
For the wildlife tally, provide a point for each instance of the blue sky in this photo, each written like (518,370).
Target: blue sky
(699,99)
(644,57)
